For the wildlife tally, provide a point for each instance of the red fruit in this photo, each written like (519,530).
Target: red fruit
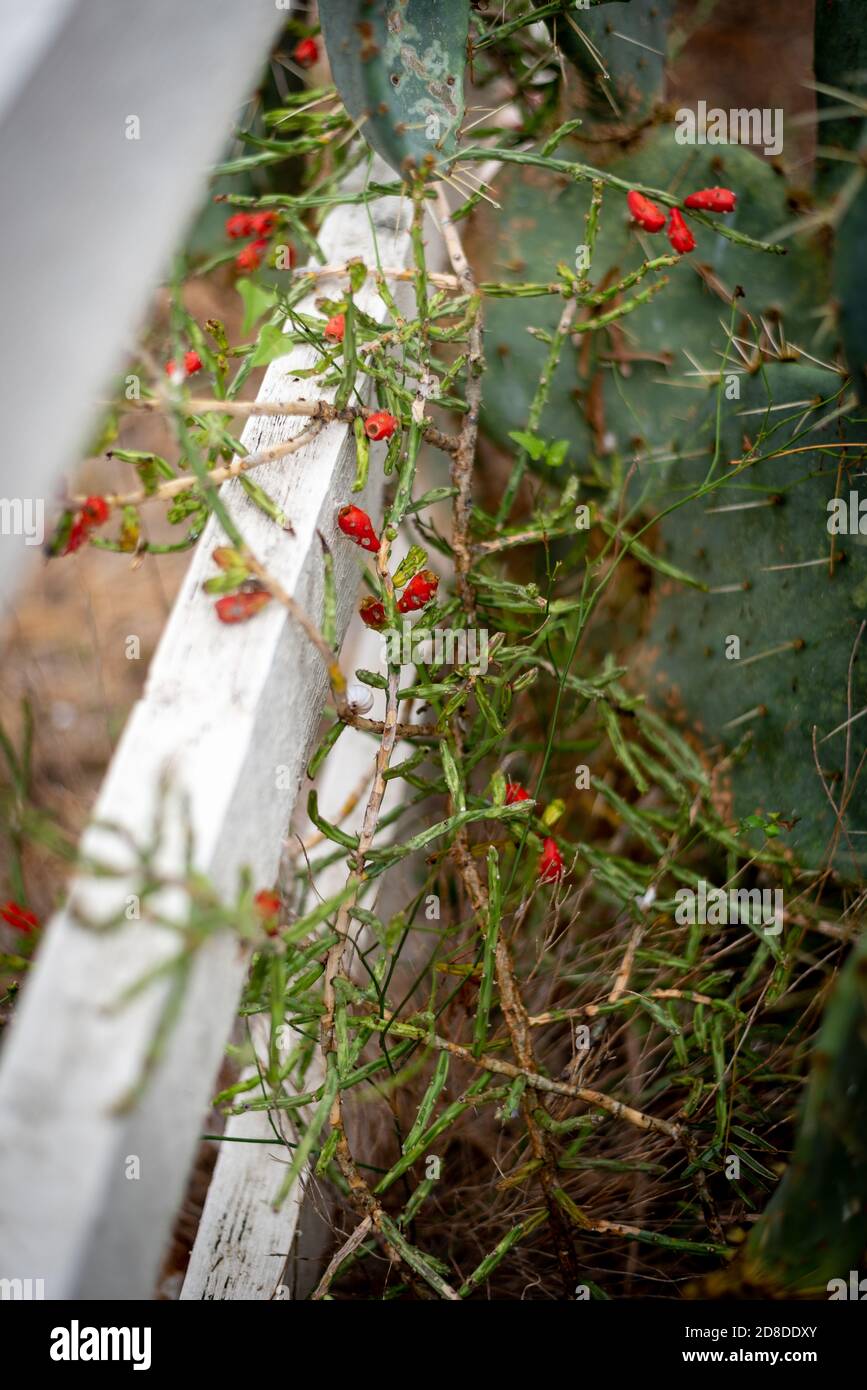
(19,918)
(515,792)
(262,224)
(679,234)
(358,526)
(712,200)
(418,592)
(239,225)
(372,613)
(95,511)
(250,257)
(239,608)
(268,906)
(77,535)
(380,425)
(306,52)
(335,328)
(192,363)
(644,212)
(551,866)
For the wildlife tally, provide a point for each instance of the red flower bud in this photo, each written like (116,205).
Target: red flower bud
(95,511)
(268,907)
(515,792)
(644,212)
(77,536)
(250,257)
(712,200)
(372,613)
(551,866)
(239,608)
(238,226)
(358,526)
(418,592)
(306,52)
(380,425)
(19,918)
(262,224)
(335,328)
(679,234)
(192,364)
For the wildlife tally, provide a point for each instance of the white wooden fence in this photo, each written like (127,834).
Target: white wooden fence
(231,714)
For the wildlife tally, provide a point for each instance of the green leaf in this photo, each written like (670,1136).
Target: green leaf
(258,299)
(400,73)
(556,453)
(272,344)
(531,443)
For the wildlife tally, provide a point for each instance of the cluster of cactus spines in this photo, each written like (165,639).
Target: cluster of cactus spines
(619,50)
(399,69)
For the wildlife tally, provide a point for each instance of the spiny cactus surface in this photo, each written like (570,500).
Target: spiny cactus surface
(399,69)
(768,658)
(636,388)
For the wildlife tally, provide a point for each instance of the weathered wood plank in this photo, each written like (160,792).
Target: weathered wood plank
(93,215)
(242,1244)
(231,712)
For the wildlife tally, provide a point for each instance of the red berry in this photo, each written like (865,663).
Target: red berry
(644,212)
(192,364)
(239,608)
(679,234)
(268,906)
(77,535)
(335,328)
(418,592)
(95,511)
(250,257)
(262,224)
(238,226)
(712,200)
(306,52)
(19,918)
(380,425)
(515,792)
(551,864)
(372,613)
(358,526)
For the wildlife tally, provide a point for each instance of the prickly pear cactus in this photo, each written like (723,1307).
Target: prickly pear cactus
(767,657)
(814,1229)
(619,49)
(399,68)
(636,387)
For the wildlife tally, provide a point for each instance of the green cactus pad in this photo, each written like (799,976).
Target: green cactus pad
(399,68)
(815,1227)
(654,403)
(799,619)
(619,49)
